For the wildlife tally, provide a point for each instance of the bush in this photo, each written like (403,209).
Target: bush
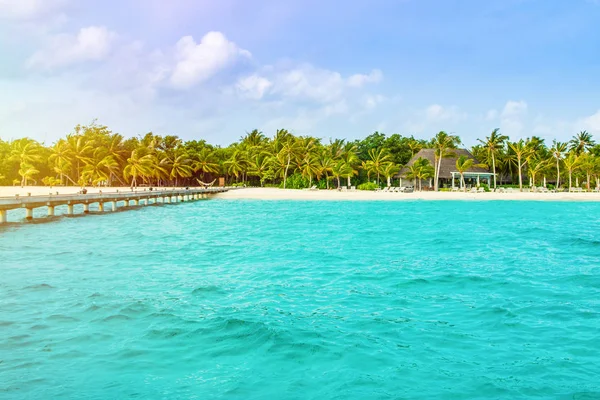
(485,187)
(368,186)
(295,181)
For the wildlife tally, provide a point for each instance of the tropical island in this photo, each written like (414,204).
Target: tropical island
(94,156)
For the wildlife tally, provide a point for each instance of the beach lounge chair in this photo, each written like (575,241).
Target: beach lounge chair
(353,188)
(314,187)
(481,190)
(455,189)
(473,190)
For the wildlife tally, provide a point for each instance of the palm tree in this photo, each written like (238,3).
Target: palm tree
(349,156)
(341,170)
(415,146)
(521,153)
(378,159)
(442,143)
(325,164)
(80,148)
(558,150)
(178,166)
(254,138)
(289,151)
(493,144)
(588,165)
(204,161)
(236,164)
(99,167)
(61,158)
(535,165)
(138,166)
(389,170)
(581,142)
(26,151)
(26,171)
(261,167)
(309,167)
(571,164)
(421,169)
(463,164)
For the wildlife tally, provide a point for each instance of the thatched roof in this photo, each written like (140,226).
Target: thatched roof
(448,163)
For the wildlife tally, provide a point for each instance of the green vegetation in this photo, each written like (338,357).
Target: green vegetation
(368,186)
(94,155)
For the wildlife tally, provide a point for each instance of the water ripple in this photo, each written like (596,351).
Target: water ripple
(304,300)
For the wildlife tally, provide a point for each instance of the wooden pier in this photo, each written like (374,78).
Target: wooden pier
(126,197)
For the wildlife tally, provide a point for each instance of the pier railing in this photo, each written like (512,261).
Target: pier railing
(138,196)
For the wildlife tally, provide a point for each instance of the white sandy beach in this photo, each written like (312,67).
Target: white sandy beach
(292,194)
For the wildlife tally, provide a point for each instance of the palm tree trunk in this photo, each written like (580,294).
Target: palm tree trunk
(557,173)
(588,181)
(520,177)
(436,184)
(286,171)
(494,169)
(570,181)
(349,182)
(338,181)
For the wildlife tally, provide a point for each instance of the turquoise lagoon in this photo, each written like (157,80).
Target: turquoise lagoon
(242,299)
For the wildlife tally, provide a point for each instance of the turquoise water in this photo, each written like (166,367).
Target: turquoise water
(304,300)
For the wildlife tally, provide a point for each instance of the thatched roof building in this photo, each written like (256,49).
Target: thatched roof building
(448,172)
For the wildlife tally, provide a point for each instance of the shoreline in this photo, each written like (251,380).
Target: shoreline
(254,193)
(359,195)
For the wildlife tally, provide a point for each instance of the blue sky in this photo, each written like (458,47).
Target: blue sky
(217,69)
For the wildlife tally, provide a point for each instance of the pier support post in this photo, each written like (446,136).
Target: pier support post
(29,213)
(86,208)
(144,202)
(136,202)
(101,207)
(3,216)
(69,209)
(182,198)
(126,203)
(51,211)
(113,205)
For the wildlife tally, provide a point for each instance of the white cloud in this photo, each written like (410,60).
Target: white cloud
(28,9)
(591,123)
(359,80)
(253,86)
(491,115)
(514,108)
(90,44)
(197,62)
(373,101)
(436,112)
(309,83)
(511,118)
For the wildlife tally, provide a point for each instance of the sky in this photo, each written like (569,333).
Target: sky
(214,70)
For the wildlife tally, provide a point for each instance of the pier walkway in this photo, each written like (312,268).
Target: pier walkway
(123,198)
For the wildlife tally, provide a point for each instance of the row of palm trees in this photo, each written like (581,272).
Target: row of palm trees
(532,158)
(93,155)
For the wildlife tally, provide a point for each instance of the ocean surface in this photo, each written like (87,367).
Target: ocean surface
(234,299)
